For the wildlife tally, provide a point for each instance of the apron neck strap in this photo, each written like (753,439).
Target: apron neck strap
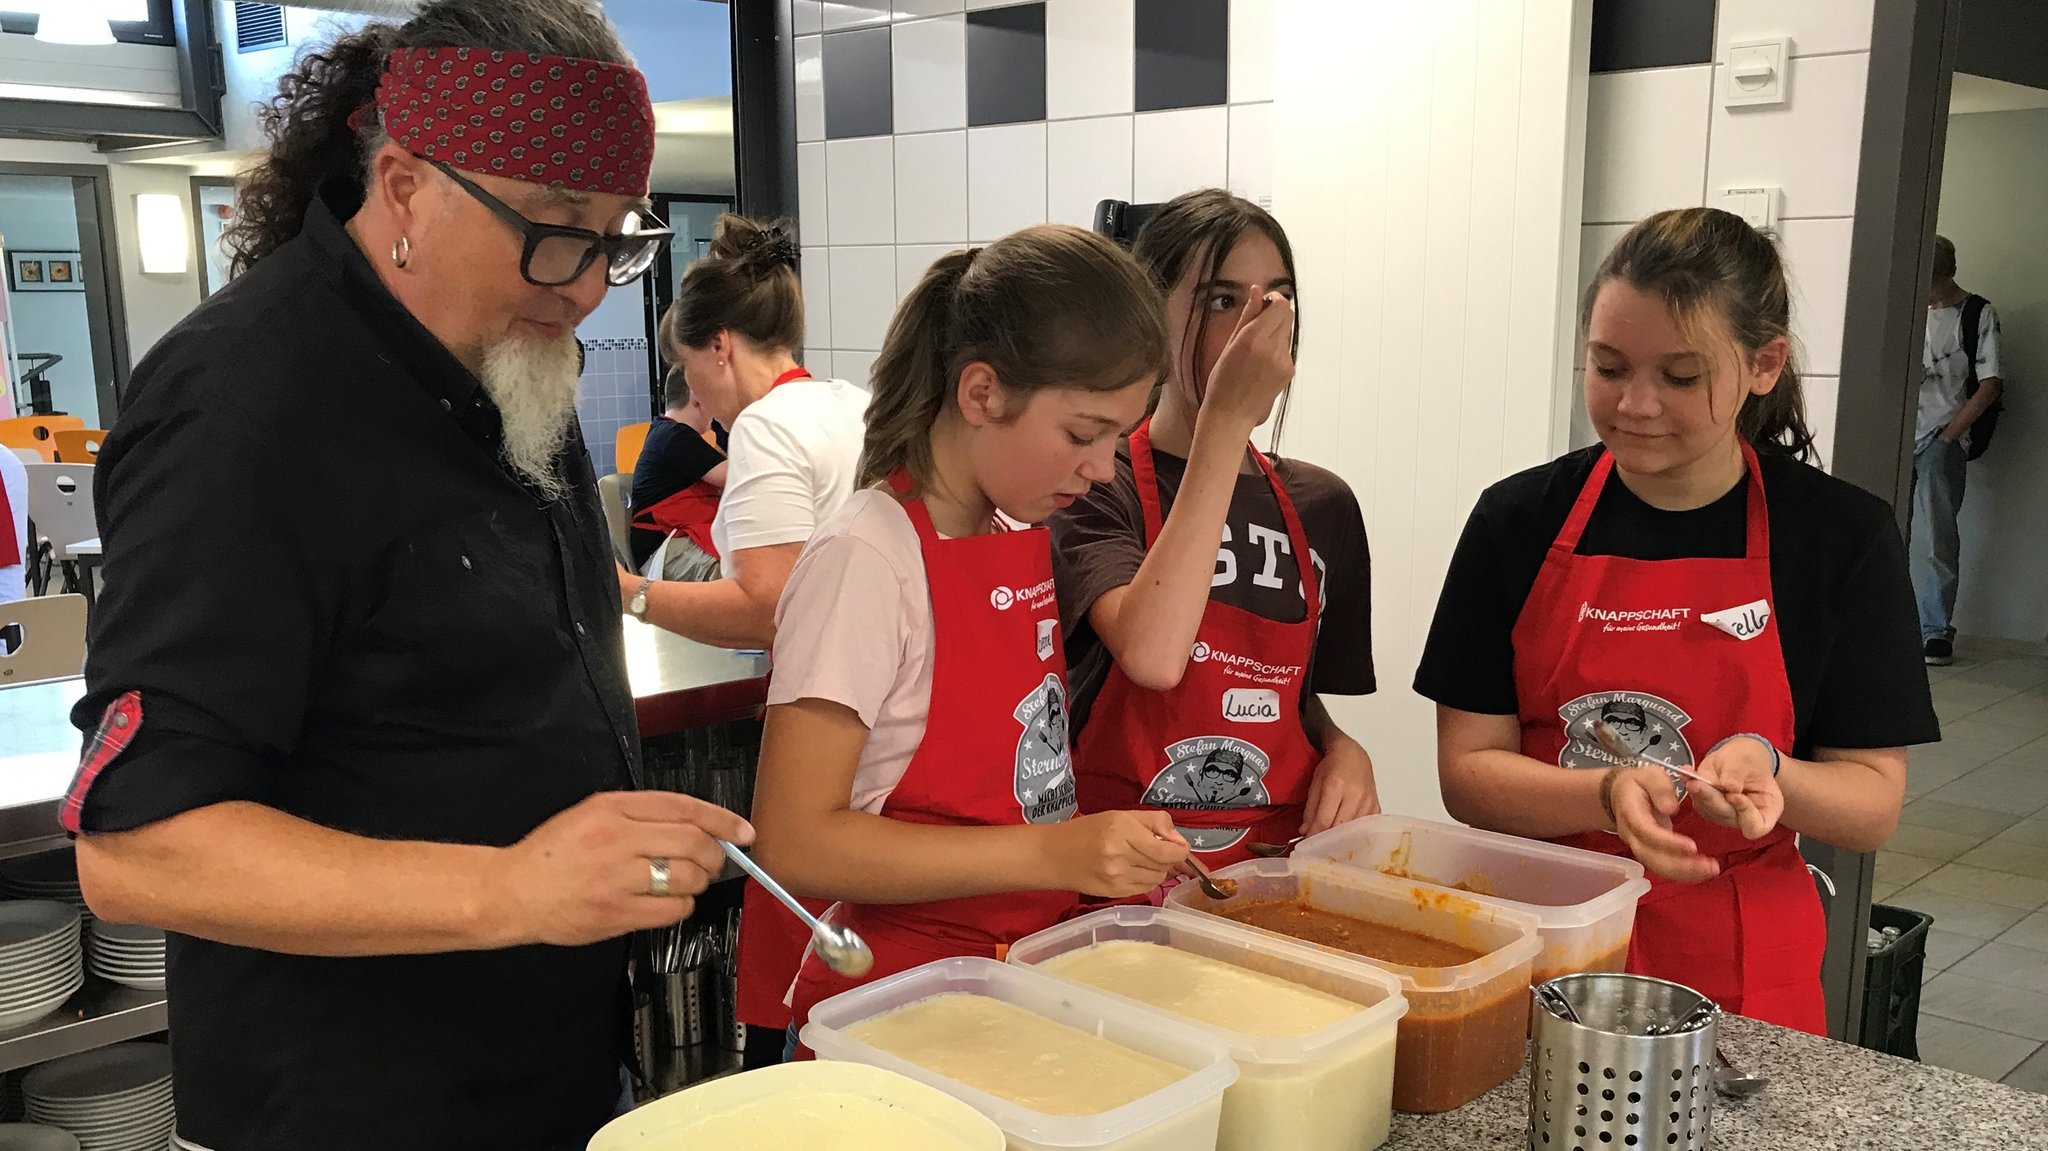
(921,516)
(1757,533)
(1146,477)
(797,373)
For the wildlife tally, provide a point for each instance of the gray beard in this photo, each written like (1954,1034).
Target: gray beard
(534,384)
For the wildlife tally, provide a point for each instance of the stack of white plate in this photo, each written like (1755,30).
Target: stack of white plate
(40,960)
(51,875)
(114,1099)
(31,1137)
(128,955)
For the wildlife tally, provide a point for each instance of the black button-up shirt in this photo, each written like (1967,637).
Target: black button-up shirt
(333,598)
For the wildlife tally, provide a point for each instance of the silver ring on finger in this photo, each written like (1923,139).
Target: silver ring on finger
(657,878)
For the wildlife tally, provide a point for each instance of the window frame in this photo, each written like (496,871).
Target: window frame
(158,29)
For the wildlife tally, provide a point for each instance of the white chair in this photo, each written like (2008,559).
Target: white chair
(27,455)
(42,638)
(612,492)
(60,513)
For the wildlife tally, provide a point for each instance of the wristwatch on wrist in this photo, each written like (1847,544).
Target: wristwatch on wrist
(638,604)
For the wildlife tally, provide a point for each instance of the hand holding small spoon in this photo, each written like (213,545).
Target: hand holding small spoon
(1610,741)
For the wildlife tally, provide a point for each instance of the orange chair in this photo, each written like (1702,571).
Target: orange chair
(631,439)
(37,433)
(76,446)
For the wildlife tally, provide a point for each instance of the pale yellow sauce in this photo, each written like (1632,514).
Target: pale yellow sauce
(1205,990)
(841,1122)
(1015,1055)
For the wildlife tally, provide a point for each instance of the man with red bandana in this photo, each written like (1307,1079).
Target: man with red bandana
(359,736)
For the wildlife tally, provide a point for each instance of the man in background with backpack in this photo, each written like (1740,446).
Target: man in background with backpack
(1960,389)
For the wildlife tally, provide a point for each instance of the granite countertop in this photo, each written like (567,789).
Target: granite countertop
(1824,1096)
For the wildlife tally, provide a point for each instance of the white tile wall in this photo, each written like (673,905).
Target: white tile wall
(929,59)
(817,278)
(860,179)
(863,296)
(1251,151)
(1090,57)
(813,212)
(1251,51)
(911,262)
(807,16)
(1596,240)
(1006,168)
(819,362)
(855,13)
(1808,146)
(1815,26)
(853,366)
(1646,142)
(913,9)
(1816,256)
(1173,152)
(1087,161)
(1822,394)
(931,188)
(810,88)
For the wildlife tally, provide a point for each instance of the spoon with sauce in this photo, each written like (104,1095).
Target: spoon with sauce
(842,949)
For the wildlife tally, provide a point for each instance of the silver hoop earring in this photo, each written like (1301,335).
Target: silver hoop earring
(401,252)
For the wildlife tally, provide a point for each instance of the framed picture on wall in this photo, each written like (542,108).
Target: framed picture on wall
(45,272)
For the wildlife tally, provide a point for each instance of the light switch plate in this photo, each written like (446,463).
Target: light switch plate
(1754,73)
(1759,206)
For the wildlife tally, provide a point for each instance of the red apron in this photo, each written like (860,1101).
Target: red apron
(994,751)
(1679,654)
(1224,752)
(689,511)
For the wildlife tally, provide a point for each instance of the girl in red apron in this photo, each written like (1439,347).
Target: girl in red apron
(1697,563)
(915,769)
(1195,627)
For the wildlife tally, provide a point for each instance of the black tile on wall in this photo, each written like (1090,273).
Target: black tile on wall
(1629,34)
(1183,53)
(858,88)
(1006,65)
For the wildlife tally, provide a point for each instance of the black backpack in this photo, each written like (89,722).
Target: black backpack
(1987,424)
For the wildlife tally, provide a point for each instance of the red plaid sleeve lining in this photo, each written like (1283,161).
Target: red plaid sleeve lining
(118,725)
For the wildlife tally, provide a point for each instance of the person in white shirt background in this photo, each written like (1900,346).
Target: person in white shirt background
(793,442)
(1941,447)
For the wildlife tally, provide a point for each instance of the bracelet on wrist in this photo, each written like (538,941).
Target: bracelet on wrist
(1777,761)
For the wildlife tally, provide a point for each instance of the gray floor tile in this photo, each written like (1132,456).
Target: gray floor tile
(1977,737)
(2031,1075)
(2012,858)
(2025,711)
(1972,917)
(2003,963)
(1947,948)
(1995,789)
(1883,892)
(1970,1049)
(1961,695)
(1957,818)
(1900,868)
(1929,843)
(2029,932)
(2014,1010)
(2017,672)
(1988,886)
(2030,832)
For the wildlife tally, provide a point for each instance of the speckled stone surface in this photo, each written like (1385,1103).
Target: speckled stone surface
(1824,1096)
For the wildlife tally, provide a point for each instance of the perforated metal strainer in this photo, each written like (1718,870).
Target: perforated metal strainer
(1606,1083)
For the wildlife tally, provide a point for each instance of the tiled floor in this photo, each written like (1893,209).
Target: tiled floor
(1972,851)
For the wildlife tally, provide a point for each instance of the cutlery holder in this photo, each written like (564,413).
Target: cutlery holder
(1603,1084)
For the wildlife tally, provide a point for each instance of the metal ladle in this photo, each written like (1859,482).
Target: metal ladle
(1274,850)
(1732,1081)
(1210,887)
(842,950)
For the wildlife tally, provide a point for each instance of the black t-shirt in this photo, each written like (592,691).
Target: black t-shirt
(1841,595)
(376,628)
(673,458)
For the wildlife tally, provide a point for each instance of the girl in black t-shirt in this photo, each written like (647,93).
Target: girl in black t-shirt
(1184,580)
(1718,636)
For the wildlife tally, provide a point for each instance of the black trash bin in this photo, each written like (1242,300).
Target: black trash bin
(1891,982)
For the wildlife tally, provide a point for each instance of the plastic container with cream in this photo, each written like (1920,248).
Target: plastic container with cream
(989,1034)
(1312,1032)
(843,1106)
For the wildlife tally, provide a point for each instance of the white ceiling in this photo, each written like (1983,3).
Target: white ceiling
(1973,94)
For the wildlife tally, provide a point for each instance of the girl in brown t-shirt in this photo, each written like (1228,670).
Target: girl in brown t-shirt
(1195,663)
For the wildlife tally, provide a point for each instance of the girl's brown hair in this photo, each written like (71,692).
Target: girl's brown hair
(1712,265)
(1204,225)
(1050,306)
(747,284)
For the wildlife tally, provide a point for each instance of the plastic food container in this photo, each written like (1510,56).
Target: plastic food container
(1180,1117)
(843,1106)
(1325,1090)
(1584,902)
(1464,1031)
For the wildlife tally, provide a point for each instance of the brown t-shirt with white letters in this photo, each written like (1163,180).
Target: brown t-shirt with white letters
(1098,543)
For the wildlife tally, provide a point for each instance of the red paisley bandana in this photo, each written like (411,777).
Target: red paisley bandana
(553,120)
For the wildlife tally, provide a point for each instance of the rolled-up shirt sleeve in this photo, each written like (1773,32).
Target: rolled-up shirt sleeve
(206,644)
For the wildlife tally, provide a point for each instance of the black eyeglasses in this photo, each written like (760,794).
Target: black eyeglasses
(556,254)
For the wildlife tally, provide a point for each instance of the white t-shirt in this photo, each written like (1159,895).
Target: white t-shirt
(14,477)
(855,627)
(1944,369)
(790,462)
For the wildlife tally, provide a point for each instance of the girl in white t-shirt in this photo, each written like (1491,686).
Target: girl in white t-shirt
(915,766)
